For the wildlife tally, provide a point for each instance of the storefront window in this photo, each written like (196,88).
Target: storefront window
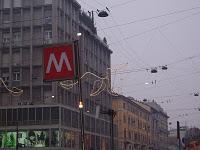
(55,138)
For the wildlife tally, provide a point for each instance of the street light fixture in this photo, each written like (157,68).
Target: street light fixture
(78,59)
(80,105)
(79,34)
(102,13)
(154,70)
(196,94)
(164,68)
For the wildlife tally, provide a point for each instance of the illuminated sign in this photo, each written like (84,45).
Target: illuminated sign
(59,62)
(32,138)
(8,139)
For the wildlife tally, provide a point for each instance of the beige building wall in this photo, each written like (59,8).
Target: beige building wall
(133,124)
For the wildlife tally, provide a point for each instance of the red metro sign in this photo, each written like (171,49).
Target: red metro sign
(59,62)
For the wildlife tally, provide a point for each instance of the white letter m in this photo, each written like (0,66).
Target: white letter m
(58,66)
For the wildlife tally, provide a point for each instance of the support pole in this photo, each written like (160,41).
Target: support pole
(178,135)
(17,134)
(78,59)
(112,115)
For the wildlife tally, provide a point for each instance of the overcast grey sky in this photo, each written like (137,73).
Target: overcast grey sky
(152,33)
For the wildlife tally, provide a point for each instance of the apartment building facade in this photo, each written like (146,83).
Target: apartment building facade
(133,123)
(159,127)
(45,114)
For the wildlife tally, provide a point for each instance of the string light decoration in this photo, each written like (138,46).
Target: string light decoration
(99,85)
(14,90)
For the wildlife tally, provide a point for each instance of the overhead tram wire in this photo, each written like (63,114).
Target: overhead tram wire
(149,68)
(152,18)
(112,33)
(123,53)
(106,35)
(166,79)
(182,109)
(157,27)
(92,7)
(167,96)
(87,4)
(179,50)
(185,115)
(152,87)
(121,4)
(136,58)
(158,86)
(127,44)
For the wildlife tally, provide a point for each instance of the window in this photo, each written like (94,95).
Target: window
(38,114)
(46,113)
(48,20)
(7,4)
(54,113)
(9,116)
(75,119)
(25,114)
(93,125)
(67,116)
(48,36)
(124,118)
(17,3)
(16,76)
(20,114)
(31,113)
(6,17)
(47,2)
(124,105)
(124,133)
(6,39)
(5,77)
(14,115)
(87,123)
(48,16)
(16,37)
(16,58)
(3,117)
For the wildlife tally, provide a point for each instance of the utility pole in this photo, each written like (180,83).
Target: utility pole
(17,132)
(78,60)
(178,135)
(111,114)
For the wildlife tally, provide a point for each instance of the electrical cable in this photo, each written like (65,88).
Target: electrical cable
(151,18)
(185,115)
(182,109)
(137,58)
(156,28)
(121,34)
(87,4)
(121,4)
(172,63)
